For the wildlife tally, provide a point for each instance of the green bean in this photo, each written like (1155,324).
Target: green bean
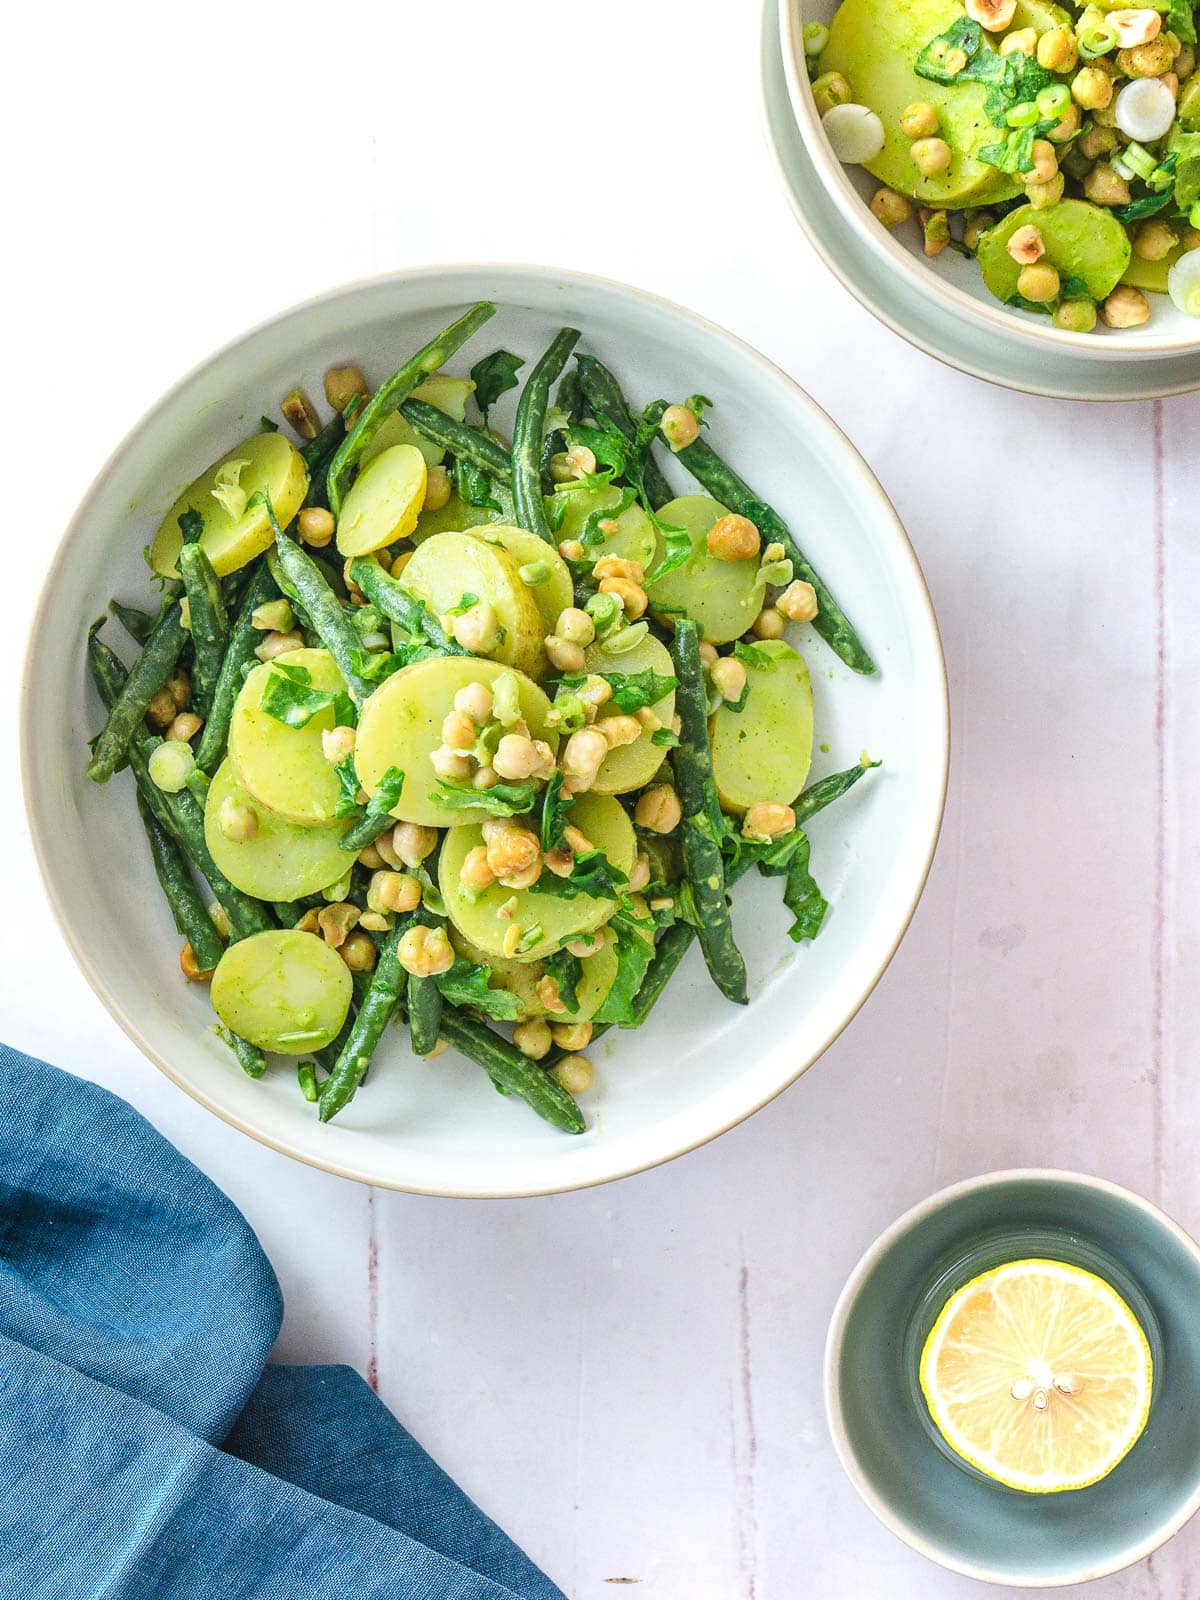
(723,483)
(462,440)
(246,915)
(208,624)
(424,998)
(611,410)
(324,609)
(366,830)
(325,443)
(400,607)
(306,1077)
(139,625)
(826,790)
(510,1071)
(374,1014)
(244,639)
(398,388)
(250,1057)
(109,676)
(187,907)
(527,436)
(702,858)
(147,676)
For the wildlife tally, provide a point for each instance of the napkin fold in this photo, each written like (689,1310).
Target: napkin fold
(147,1450)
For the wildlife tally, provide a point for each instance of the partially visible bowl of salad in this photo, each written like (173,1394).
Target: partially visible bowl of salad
(1030,164)
(477,727)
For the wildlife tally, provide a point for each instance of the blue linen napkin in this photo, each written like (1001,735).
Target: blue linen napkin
(147,1451)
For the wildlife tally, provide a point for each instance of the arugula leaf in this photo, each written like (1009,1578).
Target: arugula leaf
(464,603)
(466,984)
(635,951)
(557,506)
(474,486)
(1009,80)
(677,550)
(373,666)
(698,404)
(501,800)
(1181,21)
(1014,153)
(665,738)
(495,375)
(631,691)
(593,874)
(387,796)
(611,450)
(348,787)
(289,697)
(1146,206)
(555,806)
(590,535)
(566,970)
(754,657)
(785,857)
(267,425)
(191,525)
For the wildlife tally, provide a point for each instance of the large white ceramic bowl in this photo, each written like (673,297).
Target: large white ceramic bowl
(950,281)
(701,1065)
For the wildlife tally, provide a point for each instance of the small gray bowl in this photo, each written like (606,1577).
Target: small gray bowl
(887,1443)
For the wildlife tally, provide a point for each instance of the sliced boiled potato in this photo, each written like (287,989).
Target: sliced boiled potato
(632,766)
(448,568)
(456,516)
(383,503)
(634,539)
(527,549)
(447,394)
(283,990)
(721,597)
(234,531)
(280,860)
(521,978)
(763,752)
(545,922)
(1082,240)
(400,725)
(285,768)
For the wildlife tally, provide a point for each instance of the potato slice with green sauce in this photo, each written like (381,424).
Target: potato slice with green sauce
(1083,241)
(1151,275)
(283,990)
(721,597)
(448,394)
(456,516)
(384,502)
(521,978)
(235,532)
(634,539)
(763,752)
(448,568)
(400,725)
(284,768)
(280,860)
(874,45)
(544,921)
(556,592)
(631,766)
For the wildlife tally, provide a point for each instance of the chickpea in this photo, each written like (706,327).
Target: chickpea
(410,843)
(437,489)
(1125,308)
(890,208)
(190,967)
(1097,142)
(733,538)
(571,1035)
(575,1074)
(619,731)
(994,15)
(935,225)
(1039,282)
(512,851)
(658,809)
(1041,196)
(729,678)
(769,624)
(477,629)
(1092,88)
(680,427)
(185,726)
(1185,61)
(708,653)
(401,561)
(376,921)
(1170,80)
(931,156)
(1147,60)
(588,944)
(1020,40)
(279,644)
(919,120)
(830,90)
(474,700)
(315,526)
(452,765)
(342,385)
(425,952)
(1104,187)
(1067,125)
(798,602)
(370,858)
(640,876)
(475,874)
(583,755)
(1190,239)
(559,861)
(546,990)
(393,891)
(236,821)
(1057,50)
(1154,240)
(533,1038)
(1076,316)
(336,922)
(767,820)
(298,409)
(632,596)
(571,550)
(337,743)
(515,758)
(1045,163)
(575,626)
(458,731)
(358,952)
(162,709)
(564,655)
(975,226)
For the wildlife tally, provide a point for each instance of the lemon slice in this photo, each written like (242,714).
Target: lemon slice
(1039,1375)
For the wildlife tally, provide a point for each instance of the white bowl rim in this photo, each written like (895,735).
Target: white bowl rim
(499,271)
(881,242)
(833,1354)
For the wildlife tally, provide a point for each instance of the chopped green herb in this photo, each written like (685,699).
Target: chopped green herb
(495,375)
(501,800)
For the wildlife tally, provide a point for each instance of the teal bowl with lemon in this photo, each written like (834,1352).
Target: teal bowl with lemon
(1012,1374)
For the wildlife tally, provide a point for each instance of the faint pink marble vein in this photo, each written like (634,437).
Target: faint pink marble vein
(745,1460)
(1159,951)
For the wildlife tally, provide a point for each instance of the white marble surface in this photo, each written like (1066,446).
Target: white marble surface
(629,1379)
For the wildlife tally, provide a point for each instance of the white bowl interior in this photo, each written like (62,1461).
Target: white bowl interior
(953,279)
(701,1064)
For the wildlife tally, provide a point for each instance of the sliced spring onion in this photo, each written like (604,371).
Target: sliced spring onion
(1096,39)
(816,37)
(171,765)
(1053,101)
(1023,115)
(854,132)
